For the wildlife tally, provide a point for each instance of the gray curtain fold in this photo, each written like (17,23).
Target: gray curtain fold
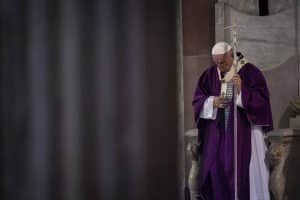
(88,100)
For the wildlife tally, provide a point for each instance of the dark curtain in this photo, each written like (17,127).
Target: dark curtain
(88,100)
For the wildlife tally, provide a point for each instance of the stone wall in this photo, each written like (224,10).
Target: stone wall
(198,38)
(252,6)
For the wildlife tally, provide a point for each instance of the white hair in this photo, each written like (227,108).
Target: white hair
(221,48)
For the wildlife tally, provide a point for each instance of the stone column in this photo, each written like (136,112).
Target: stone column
(284,163)
(192,163)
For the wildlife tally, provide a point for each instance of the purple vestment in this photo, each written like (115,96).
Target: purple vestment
(217,146)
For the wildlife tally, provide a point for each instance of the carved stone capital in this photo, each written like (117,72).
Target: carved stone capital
(278,152)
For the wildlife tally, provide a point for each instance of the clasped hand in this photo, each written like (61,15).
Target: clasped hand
(221,101)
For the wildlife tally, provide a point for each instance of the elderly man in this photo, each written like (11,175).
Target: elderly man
(213,107)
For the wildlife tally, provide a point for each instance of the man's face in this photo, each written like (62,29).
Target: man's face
(223,61)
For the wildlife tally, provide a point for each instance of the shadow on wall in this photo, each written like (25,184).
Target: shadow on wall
(284,121)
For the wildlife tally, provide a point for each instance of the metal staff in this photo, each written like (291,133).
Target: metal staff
(234,30)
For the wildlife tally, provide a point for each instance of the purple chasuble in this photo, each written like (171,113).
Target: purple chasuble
(217,144)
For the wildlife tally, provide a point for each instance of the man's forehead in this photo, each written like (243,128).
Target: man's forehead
(219,57)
